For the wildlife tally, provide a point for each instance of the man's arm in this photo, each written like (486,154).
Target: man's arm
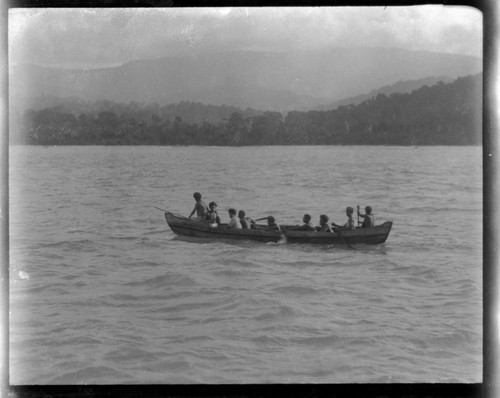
(192,211)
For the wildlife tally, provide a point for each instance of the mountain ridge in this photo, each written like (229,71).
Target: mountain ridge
(281,81)
(401,87)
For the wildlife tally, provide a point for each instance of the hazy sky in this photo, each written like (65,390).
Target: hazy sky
(102,37)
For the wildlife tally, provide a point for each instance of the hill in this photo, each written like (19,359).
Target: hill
(401,87)
(245,79)
(443,114)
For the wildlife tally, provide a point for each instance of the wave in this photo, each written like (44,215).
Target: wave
(85,245)
(160,231)
(183,308)
(280,313)
(124,238)
(267,340)
(457,338)
(166,280)
(296,290)
(320,341)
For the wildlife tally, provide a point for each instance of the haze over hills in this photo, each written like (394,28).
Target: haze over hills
(261,80)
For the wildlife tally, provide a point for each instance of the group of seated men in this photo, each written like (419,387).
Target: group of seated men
(324,226)
(241,221)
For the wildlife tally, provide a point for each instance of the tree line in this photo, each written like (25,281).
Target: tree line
(443,114)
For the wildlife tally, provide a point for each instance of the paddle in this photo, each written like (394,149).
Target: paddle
(260,219)
(160,209)
(358,215)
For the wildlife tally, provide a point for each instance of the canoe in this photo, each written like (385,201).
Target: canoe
(185,226)
(201,229)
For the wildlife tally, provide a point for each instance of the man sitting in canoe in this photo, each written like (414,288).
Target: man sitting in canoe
(234,222)
(323,224)
(307,226)
(369,218)
(246,222)
(271,223)
(200,207)
(349,225)
(212,217)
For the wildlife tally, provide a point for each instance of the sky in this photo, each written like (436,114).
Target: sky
(93,38)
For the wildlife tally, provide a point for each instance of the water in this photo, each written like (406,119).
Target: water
(102,291)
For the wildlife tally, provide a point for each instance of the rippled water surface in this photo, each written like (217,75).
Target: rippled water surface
(102,291)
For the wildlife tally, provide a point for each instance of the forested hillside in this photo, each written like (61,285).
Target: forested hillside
(406,86)
(443,114)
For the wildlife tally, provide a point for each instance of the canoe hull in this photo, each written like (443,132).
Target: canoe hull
(187,227)
(373,236)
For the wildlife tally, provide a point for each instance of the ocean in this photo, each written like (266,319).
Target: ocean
(103,292)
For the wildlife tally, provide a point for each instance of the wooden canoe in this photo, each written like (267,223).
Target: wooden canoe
(185,226)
